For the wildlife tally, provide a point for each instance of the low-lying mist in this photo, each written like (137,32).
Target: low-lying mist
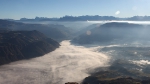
(68,63)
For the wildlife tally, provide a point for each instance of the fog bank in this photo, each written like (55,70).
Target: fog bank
(68,63)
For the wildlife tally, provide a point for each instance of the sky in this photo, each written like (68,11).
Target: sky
(16,9)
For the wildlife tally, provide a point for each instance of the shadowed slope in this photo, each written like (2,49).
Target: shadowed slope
(17,45)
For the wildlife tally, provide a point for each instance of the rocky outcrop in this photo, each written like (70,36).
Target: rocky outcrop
(72,83)
(128,80)
(17,45)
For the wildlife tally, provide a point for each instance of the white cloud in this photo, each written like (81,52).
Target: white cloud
(66,64)
(117,12)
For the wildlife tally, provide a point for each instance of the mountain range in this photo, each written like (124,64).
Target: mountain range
(87,18)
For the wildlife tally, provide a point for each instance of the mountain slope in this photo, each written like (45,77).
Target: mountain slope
(56,32)
(17,45)
(114,31)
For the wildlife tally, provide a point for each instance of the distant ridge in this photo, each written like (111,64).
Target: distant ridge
(87,18)
(114,31)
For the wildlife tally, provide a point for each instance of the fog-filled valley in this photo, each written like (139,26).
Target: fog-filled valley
(76,51)
(65,64)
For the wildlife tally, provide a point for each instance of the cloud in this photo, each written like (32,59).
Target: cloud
(117,12)
(141,62)
(68,63)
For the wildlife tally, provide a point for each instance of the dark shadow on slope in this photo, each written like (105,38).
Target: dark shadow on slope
(18,45)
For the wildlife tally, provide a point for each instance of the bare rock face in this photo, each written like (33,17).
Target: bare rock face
(125,80)
(17,45)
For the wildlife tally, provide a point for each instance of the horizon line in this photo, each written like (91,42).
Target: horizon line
(75,16)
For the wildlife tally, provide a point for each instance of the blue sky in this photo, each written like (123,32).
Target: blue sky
(17,9)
